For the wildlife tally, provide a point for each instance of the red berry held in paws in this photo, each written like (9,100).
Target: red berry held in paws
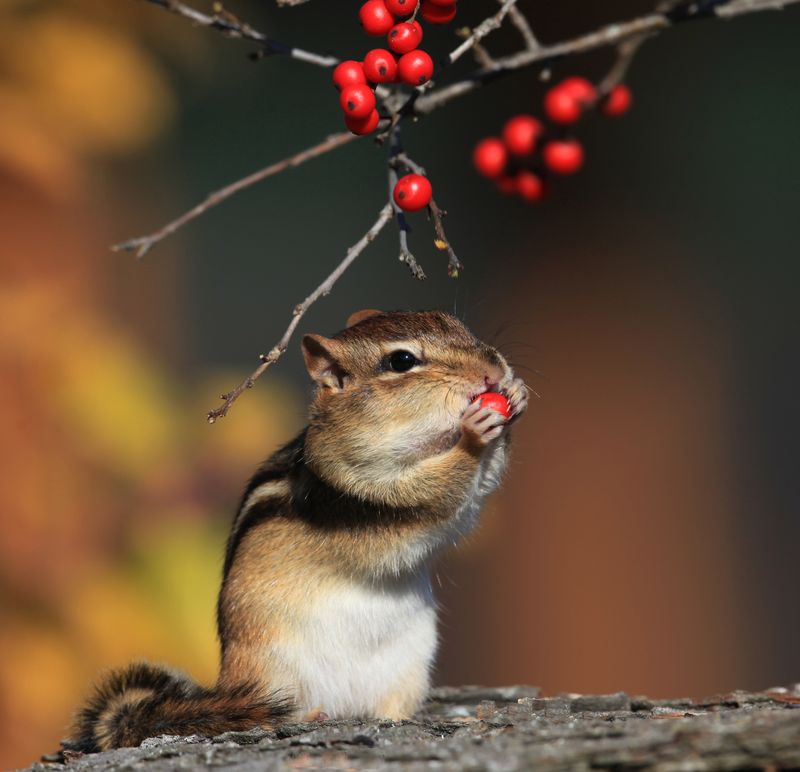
(494,401)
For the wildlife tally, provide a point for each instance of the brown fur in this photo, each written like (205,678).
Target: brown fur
(382,463)
(144,700)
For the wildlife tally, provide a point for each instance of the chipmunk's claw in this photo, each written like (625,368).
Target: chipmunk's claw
(517,393)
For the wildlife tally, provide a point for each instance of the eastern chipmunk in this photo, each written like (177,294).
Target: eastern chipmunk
(326,602)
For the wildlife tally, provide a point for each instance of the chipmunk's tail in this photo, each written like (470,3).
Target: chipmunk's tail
(142,700)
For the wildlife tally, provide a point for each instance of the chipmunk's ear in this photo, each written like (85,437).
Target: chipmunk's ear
(322,362)
(361,315)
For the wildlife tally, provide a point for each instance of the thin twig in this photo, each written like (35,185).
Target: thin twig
(479,51)
(402,223)
(228,24)
(454,265)
(626,51)
(488,25)
(297,314)
(738,7)
(143,244)
(520,21)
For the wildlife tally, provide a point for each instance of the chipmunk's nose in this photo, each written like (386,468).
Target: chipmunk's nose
(494,369)
(492,379)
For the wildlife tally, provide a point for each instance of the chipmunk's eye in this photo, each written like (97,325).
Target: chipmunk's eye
(400,361)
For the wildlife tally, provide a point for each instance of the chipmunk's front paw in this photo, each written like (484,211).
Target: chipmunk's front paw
(480,425)
(517,393)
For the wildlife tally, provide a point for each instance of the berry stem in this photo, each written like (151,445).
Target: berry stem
(402,223)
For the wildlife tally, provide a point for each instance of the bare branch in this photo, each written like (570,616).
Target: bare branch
(479,51)
(143,244)
(738,7)
(454,265)
(297,314)
(610,35)
(402,223)
(441,242)
(481,31)
(519,20)
(228,24)
(626,51)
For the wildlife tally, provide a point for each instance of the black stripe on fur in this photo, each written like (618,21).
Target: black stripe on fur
(143,700)
(275,467)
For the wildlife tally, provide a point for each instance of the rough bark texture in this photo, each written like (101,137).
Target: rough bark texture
(476,728)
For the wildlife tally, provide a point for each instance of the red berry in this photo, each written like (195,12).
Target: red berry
(412,192)
(561,105)
(415,68)
(405,36)
(618,101)
(442,3)
(490,157)
(563,156)
(521,134)
(357,101)
(494,401)
(348,73)
(580,88)
(507,184)
(362,126)
(380,66)
(530,186)
(437,14)
(375,17)
(401,7)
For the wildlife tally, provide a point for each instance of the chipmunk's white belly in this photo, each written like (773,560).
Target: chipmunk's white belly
(362,650)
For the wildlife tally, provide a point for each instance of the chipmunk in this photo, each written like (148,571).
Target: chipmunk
(326,604)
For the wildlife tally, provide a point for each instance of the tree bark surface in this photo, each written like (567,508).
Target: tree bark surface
(511,728)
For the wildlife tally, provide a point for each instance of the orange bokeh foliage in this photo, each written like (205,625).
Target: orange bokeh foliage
(114,507)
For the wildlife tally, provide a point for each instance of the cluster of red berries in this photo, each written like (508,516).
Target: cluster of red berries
(528,151)
(403,62)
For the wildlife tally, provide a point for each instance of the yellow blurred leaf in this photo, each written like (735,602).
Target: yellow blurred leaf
(92,86)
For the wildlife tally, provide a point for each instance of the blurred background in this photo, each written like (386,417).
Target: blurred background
(647,536)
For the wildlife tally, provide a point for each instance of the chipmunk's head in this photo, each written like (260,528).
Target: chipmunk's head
(392,388)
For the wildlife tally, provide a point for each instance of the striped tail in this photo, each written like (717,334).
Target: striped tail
(143,700)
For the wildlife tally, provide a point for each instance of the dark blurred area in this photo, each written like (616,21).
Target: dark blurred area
(647,535)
